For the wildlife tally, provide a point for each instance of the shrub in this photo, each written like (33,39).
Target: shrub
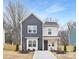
(10,47)
(61,47)
(28,49)
(64,48)
(74,48)
(33,49)
(70,48)
(17,47)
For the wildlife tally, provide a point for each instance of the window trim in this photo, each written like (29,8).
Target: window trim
(50,31)
(32,29)
(30,43)
(34,43)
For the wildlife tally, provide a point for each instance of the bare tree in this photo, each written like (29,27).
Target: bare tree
(70,25)
(13,14)
(64,37)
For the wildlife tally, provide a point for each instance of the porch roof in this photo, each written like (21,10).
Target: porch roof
(51,37)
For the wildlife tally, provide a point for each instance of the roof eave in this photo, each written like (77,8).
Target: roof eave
(28,16)
(25,18)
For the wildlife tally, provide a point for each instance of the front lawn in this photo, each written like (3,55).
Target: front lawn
(16,55)
(66,56)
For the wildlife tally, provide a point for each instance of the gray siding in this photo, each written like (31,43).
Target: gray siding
(32,20)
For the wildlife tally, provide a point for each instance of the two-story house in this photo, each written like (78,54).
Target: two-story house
(38,36)
(31,33)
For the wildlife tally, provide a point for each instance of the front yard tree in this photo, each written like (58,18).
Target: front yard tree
(14,12)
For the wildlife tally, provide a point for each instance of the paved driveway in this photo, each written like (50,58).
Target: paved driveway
(43,55)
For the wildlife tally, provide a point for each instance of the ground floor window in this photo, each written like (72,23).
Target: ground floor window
(32,43)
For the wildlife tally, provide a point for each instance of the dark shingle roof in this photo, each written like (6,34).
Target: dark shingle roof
(51,24)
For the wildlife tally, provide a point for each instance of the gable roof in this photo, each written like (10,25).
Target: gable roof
(29,16)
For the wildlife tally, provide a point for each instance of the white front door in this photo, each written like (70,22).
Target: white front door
(32,43)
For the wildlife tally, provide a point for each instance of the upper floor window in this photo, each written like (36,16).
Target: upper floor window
(32,28)
(49,31)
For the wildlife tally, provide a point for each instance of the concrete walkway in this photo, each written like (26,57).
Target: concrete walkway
(43,55)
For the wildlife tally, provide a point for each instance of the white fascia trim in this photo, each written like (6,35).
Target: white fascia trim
(21,37)
(25,17)
(39,18)
(42,38)
(32,37)
(28,16)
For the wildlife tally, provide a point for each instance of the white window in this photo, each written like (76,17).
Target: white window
(32,28)
(49,31)
(32,43)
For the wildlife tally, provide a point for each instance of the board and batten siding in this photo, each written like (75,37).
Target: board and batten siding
(31,20)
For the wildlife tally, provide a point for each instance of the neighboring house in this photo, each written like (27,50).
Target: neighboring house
(72,36)
(38,36)
(68,36)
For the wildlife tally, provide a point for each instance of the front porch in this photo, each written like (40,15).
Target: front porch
(51,43)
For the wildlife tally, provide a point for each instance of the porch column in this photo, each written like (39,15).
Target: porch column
(58,42)
(43,43)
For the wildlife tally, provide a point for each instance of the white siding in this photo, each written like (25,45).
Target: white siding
(54,31)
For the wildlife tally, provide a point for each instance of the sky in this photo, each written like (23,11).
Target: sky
(59,10)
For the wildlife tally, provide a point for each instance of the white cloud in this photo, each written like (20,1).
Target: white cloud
(55,8)
(43,16)
(47,12)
